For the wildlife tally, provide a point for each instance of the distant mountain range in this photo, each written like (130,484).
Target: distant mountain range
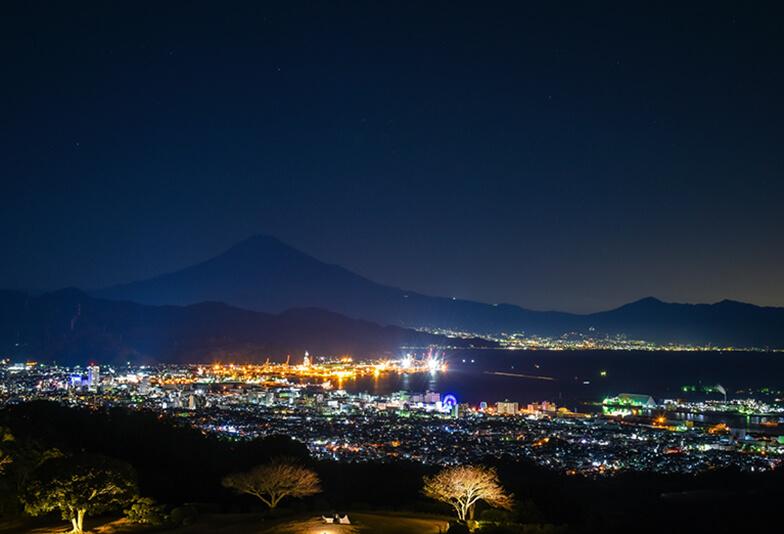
(263,274)
(70,326)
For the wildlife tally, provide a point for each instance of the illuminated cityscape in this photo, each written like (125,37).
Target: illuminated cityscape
(307,401)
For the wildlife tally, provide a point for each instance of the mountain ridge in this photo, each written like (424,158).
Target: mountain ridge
(264,274)
(70,326)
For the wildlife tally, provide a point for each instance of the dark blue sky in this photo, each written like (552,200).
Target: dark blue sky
(554,155)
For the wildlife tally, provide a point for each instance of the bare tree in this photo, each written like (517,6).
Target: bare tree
(274,481)
(463,486)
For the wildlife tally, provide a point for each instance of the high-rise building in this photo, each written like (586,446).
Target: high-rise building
(506,408)
(542,407)
(76,381)
(93,377)
(462,410)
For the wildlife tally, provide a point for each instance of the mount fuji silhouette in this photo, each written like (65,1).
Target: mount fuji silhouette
(266,275)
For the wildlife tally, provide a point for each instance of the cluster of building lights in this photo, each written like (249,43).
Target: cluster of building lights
(328,372)
(306,401)
(585,341)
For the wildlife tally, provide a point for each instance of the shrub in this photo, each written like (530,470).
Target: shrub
(183,515)
(496,516)
(144,511)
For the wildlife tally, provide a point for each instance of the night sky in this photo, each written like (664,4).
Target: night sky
(552,155)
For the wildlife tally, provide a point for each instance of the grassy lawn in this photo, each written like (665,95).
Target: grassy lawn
(399,524)
(48,525)
(362,523)
(366,522)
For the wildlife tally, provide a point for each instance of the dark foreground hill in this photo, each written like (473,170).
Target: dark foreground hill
(177,464)
(264,274)
(71,326)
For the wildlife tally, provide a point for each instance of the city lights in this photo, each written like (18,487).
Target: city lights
(307,401)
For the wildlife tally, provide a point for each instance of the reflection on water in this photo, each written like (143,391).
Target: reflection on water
(585,376)
(737,423)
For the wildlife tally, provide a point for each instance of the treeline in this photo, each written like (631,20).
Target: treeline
(176,464)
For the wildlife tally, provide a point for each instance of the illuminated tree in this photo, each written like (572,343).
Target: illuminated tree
(78,485)
(463,486)
(274,481)
(5,456)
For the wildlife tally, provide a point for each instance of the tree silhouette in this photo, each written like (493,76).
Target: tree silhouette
(274,481)
(78,485)
(463,486)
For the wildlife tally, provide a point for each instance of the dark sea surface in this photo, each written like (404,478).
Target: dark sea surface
(573,378)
